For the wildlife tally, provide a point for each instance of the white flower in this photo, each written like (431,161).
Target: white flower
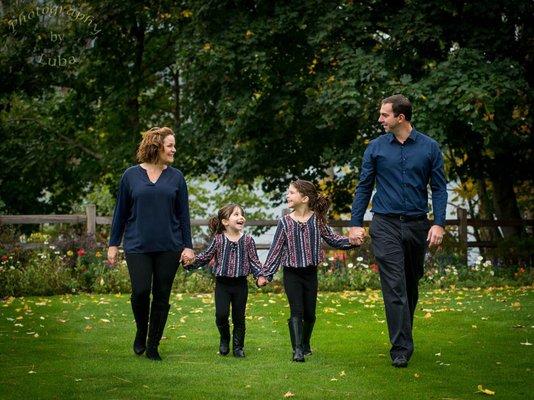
(359,259)
(330,258)
(325,264)
(350,265)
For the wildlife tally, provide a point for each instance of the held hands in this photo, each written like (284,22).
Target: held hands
(356,235)
(262,281)
(435,235)
(112,254)
(187,257)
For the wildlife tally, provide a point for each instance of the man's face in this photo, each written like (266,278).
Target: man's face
(388,121)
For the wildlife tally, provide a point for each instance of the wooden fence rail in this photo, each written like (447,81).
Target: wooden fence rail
(91,220)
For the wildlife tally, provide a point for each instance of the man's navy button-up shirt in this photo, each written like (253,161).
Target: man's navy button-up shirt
(402,172)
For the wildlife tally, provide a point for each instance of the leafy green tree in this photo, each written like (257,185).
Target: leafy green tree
(262,89)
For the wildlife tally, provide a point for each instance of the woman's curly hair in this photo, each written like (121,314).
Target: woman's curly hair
(151,144)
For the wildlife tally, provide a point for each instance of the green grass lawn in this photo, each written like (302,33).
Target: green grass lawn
(66,347)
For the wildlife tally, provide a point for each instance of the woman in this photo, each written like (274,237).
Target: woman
(152,217)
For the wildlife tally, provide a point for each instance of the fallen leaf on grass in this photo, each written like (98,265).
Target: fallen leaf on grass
(342,373)
(107,321)
(333,379)
(428,315)
(288,394)
(32,372)
(416,375)
(527,343)
(485,391)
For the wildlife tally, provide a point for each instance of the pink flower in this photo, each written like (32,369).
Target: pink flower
(80,252)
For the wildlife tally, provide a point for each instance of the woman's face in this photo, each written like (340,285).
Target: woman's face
(166,154)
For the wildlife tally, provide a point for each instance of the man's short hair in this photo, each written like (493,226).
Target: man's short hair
(400,105)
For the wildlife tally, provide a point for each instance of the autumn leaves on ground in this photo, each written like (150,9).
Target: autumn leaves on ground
(469,344)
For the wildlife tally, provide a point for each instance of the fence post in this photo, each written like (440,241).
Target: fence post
(90,212)
(462,231)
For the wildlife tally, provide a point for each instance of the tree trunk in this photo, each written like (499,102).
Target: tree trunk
(177,95)
(486,211)
(132,105)
(505,202)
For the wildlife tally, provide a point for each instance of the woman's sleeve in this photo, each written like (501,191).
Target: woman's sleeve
(121,213)
(182,207)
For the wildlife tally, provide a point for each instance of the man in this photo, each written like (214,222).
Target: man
(403,162)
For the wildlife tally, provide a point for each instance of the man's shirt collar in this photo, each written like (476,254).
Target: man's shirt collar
(413,136)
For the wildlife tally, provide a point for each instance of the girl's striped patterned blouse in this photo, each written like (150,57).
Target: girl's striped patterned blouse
(298,244)
(230,259)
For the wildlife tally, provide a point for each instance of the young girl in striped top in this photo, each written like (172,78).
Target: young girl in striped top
(297,247)
(233,256)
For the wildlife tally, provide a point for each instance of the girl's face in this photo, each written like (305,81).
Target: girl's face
(236,220)
(166,154)
(295,198)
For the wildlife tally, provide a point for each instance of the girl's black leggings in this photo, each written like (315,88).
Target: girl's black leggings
(232,291)
(300,285)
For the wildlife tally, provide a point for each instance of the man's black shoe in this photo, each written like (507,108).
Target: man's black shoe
(400,362)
